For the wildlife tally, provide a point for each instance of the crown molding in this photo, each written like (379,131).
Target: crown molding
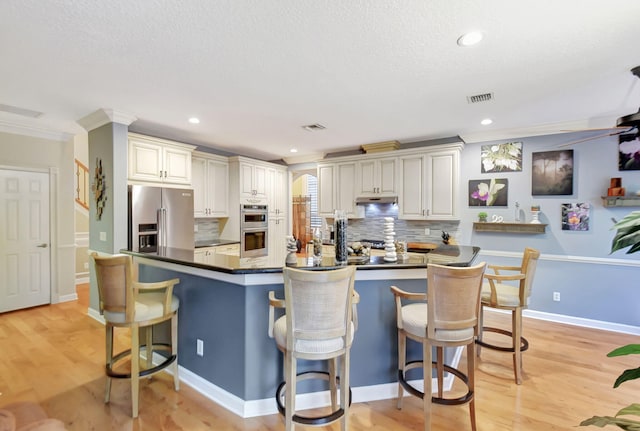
(104,116)
(36,132)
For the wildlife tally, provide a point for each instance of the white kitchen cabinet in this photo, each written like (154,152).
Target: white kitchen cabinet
(337,189)
(429,185)
(159,161)
(210,180)
(277,191)
(277,240)
(200,255)
(252,181)
(377,177)
(230,249)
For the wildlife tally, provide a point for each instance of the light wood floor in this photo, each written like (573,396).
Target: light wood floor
(54,355)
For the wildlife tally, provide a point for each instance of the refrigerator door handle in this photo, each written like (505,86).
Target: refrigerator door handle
(160,227)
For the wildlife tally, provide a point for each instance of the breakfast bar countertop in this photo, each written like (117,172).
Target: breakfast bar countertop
(452,255)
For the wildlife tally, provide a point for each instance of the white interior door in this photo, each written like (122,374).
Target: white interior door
(24,240)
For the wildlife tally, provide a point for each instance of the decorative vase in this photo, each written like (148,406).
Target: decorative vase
(340,234)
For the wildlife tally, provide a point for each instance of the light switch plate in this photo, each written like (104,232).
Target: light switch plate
(103,236)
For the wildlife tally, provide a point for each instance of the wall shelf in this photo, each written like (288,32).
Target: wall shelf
(621,201)
(525,228)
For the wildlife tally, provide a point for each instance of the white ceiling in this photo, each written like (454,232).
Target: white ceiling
(255,71)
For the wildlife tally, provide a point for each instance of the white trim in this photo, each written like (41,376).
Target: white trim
(82,239)
(105,116)
(68,298)
(82,278)
(35,132)
(579,321)
(565,258)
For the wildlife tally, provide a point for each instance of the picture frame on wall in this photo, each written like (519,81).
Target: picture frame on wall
(488,193)
(501,157)
(629,152)
(552,173)
(575,216)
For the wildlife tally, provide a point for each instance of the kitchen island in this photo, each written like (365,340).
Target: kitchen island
(225,304)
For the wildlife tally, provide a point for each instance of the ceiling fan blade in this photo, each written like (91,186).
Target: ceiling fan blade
(604,135)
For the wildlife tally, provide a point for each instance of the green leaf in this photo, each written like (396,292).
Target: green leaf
(629,349)
(631,374)
(602,421)
(633,409)
(626,238)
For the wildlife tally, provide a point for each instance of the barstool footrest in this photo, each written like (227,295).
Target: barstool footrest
(311,420)
(143,373)
(437,400)
(524,344)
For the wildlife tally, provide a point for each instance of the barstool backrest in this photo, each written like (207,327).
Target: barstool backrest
(453,301)
(318,306)
(114,280)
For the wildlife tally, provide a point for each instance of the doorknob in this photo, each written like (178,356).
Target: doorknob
(42,245)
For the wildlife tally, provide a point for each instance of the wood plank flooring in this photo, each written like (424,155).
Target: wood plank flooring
(54,355)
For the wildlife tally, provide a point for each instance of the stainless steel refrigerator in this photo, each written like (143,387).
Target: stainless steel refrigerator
(160,217)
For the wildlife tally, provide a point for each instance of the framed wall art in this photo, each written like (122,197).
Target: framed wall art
(575,216)
(552,173)
(501,157)
(629,152)
(488,193)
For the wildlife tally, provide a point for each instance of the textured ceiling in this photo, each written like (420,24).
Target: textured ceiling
(255,71)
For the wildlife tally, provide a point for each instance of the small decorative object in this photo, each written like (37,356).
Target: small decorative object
(517,214)
(535,211)
(492,194)
(99,188)
(340,233)
(390,254)
(502,157)
(552,173)
(445,237)
(615,187)
(497,219)
(575,216)
(292,248)
(482,216)
(317,245)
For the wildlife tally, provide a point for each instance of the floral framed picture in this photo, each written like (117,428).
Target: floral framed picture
(575,216)
(552,173)
(501,157)
(491,193)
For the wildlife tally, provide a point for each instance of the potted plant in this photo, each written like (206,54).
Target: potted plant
(627,235)
(482,216)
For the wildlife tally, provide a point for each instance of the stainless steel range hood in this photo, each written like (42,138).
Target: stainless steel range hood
(364,200)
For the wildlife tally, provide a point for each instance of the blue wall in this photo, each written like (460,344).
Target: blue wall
(593,283)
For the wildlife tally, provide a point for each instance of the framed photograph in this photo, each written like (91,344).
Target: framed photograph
(501,157)
(488,193)
(575,216)
(629,152)
(552,173)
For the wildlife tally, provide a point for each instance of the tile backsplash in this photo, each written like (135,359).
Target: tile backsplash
(206,230)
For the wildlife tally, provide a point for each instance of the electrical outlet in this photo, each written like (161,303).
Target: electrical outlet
(556,296)
(86,265)
(103,236)
(427,231)
(199,347)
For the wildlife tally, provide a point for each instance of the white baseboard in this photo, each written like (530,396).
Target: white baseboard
(68,298)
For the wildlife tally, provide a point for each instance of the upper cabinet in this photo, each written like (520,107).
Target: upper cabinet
(429,185)
(252,181)
(337,189)
(159,161)
(210,180)
(277,191)
(377,177)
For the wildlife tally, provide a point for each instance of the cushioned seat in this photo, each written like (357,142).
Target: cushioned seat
(137,306)
(318,325)
(509,288)
(27,416)
(448,318)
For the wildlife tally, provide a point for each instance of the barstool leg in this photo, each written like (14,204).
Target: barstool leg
(402,354)
(333,389)
(440,368)
(344,391)
(108,360)
(290,395)
(135,369)
(516,330)
(480,323)
(149,345)
(471,372)
(174,350)
(426,369)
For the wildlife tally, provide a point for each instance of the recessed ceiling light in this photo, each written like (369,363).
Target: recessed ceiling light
(470,38)
(486,121)
(294,150)
(312,127)
(194,120)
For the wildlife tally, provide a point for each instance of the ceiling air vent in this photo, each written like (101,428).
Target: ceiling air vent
(486,97)
(313,127)
(19,111)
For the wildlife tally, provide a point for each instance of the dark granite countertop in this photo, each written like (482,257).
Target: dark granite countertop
(215,242)
(452,255)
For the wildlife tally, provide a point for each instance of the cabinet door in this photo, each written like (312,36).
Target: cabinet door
(326,190)
(200,255)
(277,239)
(218,188)
(177,165)
(377,177)
(277,194)
(442,185)
(412,188)
(346,190)
(145,161)
(199,183)
(259,181)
